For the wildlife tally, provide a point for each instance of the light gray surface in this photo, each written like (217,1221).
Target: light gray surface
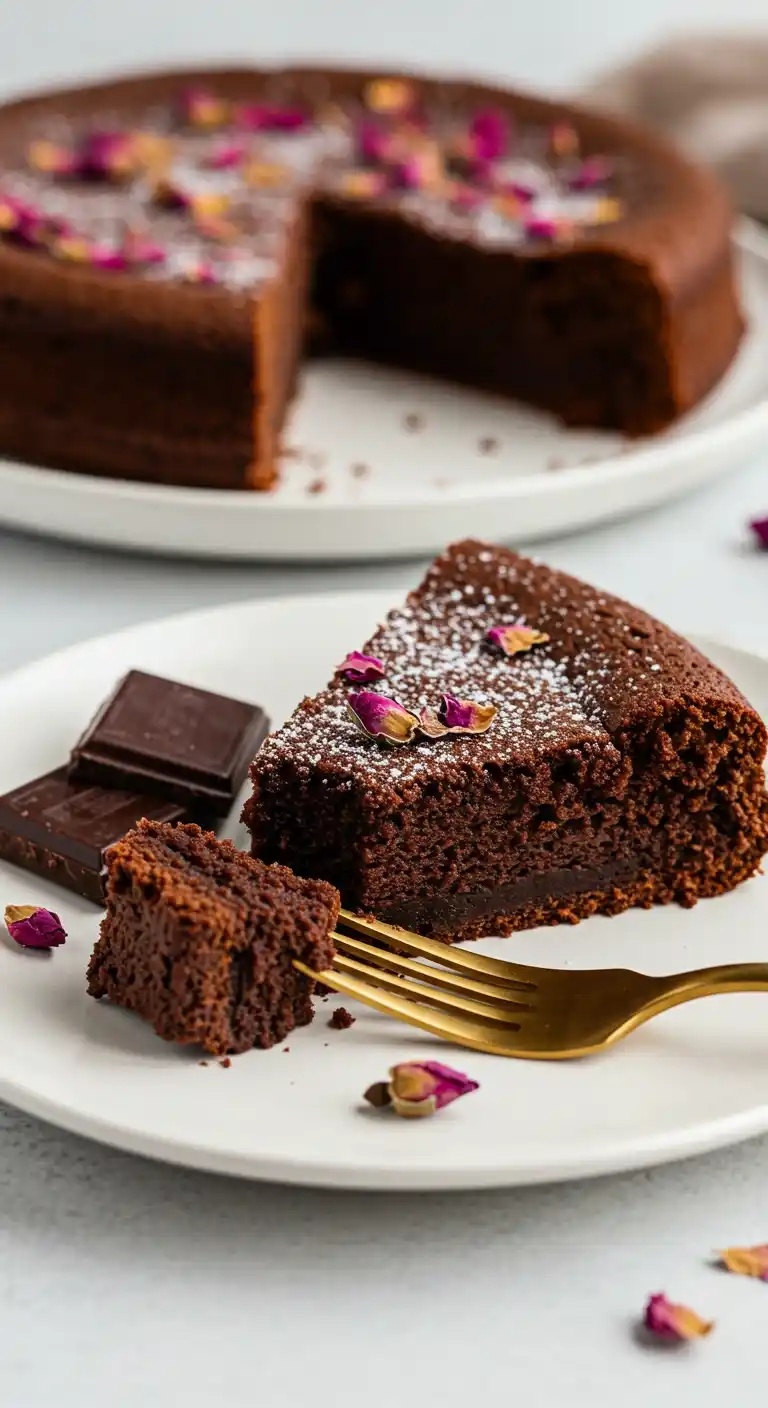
(126,1283)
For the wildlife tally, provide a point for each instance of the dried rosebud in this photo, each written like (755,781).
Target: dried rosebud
(389,95)
(34,927)
(489,132)
(361,669)
(759,526)
(52,159)
(374,144)
(540,227)
(201,272)
(746,1261)
(201,108)
(363,185)
(226,156)
(269,117)
(563,139)
(593,171)
(516,638)
(674,1323)
(456,716)
(383,718)
(417,1088)
(107,154)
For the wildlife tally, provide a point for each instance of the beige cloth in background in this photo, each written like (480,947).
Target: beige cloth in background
(709,93)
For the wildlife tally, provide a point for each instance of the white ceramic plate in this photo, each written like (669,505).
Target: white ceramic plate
(694,1079)
(425,487)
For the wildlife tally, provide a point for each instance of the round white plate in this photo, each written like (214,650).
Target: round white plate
(693,1079)
(366,486)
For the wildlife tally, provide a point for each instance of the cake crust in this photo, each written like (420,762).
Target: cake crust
(658,283)
(623,767)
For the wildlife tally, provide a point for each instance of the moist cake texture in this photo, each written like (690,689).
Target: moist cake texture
(623,768)
(214,227)
(198,939)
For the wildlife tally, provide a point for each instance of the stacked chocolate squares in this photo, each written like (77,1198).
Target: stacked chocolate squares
(156,749)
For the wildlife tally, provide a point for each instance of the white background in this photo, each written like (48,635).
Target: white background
(126,1284)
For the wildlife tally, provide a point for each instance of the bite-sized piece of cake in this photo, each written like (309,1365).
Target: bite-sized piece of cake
(199,939)
(618,766)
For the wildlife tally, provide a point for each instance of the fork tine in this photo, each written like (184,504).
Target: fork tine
(496,970)
(427,972)
(464,1032)
(465,1006)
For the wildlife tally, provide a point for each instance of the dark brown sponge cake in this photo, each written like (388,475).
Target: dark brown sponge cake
(623,767)
(624,324)
(198,939)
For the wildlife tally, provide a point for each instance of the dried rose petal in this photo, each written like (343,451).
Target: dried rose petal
(107,154)
(389,95)
(516,638)
(201,108)
(456,716)
(541,227)
(269,117)
(563,139)
(382,718)
(51,158)
(746,1261)
(226,156)
(759,526)
(361,669)
(363,185)
(674,1323)
(34,927)
(593,171)
(489,130)
(417,1088)
(374,144)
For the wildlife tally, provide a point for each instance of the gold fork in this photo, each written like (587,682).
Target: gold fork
(509,1009)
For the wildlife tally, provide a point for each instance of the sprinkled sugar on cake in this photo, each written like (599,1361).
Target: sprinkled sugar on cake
(620,767)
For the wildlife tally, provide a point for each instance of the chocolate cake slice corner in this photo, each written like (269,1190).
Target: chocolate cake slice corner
(199,939)
(622,768)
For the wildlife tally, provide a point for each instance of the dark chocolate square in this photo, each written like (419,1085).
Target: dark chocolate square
(170,739)
(61,830)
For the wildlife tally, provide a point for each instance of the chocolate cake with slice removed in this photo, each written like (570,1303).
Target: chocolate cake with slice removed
(622,767)
(198,939)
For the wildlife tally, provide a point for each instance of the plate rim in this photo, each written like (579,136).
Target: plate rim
(599,1160)
(335,522)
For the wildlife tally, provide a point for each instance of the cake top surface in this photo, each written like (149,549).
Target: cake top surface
(200,184)
(605,666)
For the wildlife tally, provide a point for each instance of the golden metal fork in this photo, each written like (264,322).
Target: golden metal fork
(510,1009)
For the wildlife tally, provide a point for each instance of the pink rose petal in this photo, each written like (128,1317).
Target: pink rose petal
(489,131)
(361,669)
(759,527)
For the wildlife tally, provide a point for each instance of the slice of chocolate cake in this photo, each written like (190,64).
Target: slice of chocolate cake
(619,768)
(198,939)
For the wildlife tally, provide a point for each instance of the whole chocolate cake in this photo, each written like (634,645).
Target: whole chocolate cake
(514,748)
(170,247)
(198,939)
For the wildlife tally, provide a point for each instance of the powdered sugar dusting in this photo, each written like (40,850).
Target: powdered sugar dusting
(557,695)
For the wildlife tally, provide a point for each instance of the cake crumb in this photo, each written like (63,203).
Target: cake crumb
(318,486)
(202,1063)
(226,1063)
(413,421)
(340,1019)
(360,470)
(488,445)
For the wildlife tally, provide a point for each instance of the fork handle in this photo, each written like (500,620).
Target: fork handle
(676,988)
